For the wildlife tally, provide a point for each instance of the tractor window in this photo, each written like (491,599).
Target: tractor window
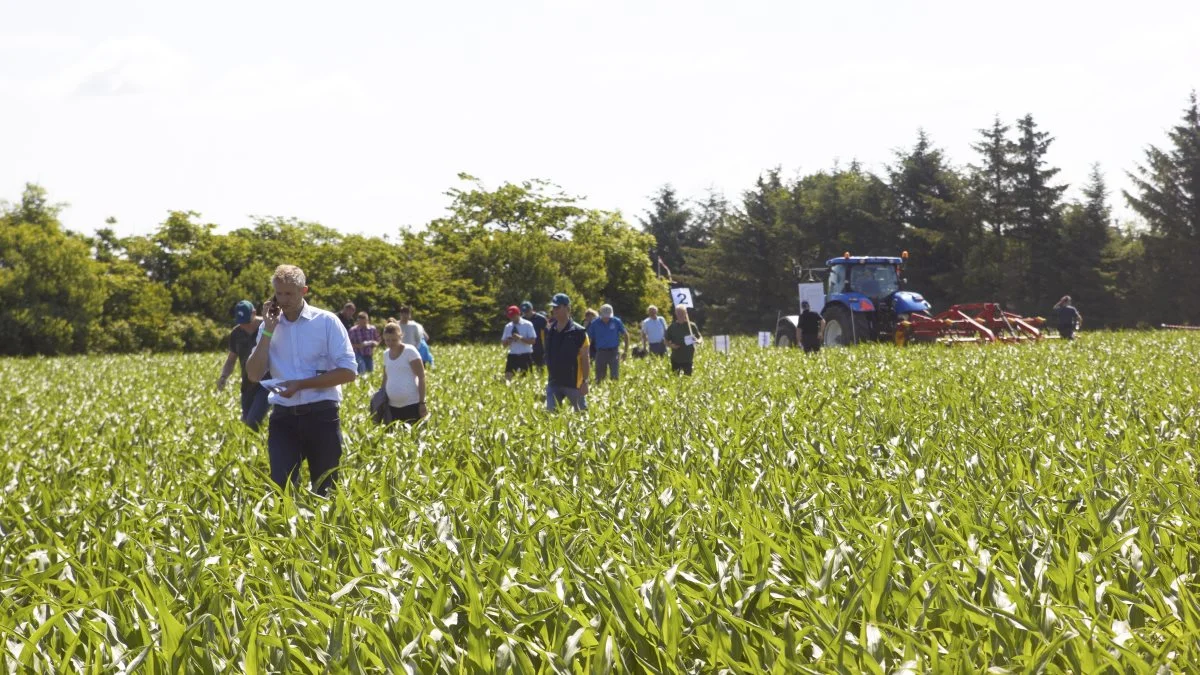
(875,281)
(837,279)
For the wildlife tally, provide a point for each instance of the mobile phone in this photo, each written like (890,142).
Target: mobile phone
(275,310)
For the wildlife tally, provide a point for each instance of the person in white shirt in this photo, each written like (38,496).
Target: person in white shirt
(403,377)
(519,336)
(309,352)
(654,332)
(413,332)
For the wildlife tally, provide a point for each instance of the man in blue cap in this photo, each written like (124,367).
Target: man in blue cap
(241,344)
(566,357)
(539,327)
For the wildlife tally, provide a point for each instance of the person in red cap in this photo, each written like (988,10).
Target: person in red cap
(519,336)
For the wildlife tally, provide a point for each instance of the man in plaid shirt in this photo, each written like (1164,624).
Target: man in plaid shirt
(364,338)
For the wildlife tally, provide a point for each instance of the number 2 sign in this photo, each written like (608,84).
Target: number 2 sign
(682,297)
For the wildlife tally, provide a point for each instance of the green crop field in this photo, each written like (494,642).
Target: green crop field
(882,510)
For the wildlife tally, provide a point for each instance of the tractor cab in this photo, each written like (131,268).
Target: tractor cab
(876,278)
(864,299)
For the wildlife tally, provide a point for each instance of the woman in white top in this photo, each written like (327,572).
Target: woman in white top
(403,377)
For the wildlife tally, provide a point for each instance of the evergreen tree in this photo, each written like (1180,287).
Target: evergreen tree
(1035,246)
(671,225)
(937,228)
(1168,198)
(1087,232)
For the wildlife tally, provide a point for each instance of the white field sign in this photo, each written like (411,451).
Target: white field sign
(764,338)
(721,342)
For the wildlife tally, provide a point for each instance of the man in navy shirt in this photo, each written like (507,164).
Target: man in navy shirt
(606,333)
(566,358)
(539,327)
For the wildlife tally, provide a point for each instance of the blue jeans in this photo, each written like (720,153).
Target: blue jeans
(555,395)
(315,436)
(254,405)
(366,364)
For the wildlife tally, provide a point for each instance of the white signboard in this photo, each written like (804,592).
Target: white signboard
(682,297)
(721,342)
(814,293)
(764,338)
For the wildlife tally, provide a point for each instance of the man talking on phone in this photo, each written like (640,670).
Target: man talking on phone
(309,352)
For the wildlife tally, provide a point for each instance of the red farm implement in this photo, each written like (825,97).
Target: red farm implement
(976,322)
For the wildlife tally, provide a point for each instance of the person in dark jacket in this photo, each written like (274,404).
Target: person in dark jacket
(1069,318)
(810,329)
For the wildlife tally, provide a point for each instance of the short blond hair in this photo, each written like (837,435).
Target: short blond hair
(289,274)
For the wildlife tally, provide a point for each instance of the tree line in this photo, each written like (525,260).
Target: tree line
(996,229)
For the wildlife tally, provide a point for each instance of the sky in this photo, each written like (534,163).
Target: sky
(360,115)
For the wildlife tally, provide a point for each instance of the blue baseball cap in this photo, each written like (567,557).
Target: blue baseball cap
(527,306)
(243,312)
(560,300)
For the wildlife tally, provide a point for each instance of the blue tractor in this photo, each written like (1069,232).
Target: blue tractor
(864,301)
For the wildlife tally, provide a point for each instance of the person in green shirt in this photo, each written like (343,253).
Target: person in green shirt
(682,338)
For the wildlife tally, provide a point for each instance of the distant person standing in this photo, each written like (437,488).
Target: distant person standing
(403,378)
(811,329)
(519,337)
(539,328)
(1069,318)
(413,332)
(364,338)
(605,333)
(567,358)
(309,351)
(348,316)
(682,338)
(654,332)
(241,345)
(589,315)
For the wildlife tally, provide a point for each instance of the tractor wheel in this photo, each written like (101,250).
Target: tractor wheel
(842,328)
(785,333)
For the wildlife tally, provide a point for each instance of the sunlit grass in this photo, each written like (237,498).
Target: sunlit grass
(873,509)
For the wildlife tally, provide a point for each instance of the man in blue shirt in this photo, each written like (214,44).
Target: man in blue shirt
(309,351)
(606,333)
(566,358)
(654,332)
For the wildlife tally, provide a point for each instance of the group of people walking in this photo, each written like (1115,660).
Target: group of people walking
(295,357)
(527,335)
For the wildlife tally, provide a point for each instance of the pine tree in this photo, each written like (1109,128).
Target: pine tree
(1168,198)
(670,224)
(937,228)
(1036,211)
(993,180)
(1087,233)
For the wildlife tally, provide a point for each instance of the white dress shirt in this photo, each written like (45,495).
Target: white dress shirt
(313,344)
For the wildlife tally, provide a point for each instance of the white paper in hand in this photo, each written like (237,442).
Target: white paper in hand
(689,340)
(273,384)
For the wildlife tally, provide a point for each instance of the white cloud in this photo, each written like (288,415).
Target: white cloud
(39,42)
(122,66)
(281,86)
